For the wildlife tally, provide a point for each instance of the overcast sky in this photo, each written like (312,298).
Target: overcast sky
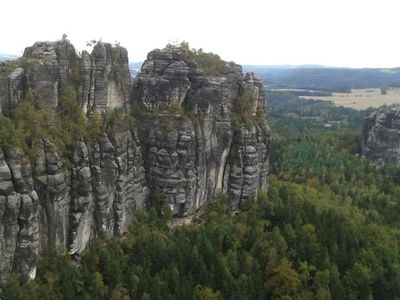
(350,33)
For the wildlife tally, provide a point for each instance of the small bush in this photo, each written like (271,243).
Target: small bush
(95,126)
(31,123)
(243,112)
(210,63)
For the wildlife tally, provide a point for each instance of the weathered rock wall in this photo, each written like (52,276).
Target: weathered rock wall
(186,144)
(19,226)
(381,135)
(188,139)
(48,203)
(50,207)
(48,68)
(105,77)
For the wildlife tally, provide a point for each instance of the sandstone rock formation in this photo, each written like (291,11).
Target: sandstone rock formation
(44,203)
(381,135)
(187,141)
(47,68)
(105,77)
(192,140)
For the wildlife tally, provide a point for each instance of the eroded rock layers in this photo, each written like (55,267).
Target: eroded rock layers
(191,141)
(191,158)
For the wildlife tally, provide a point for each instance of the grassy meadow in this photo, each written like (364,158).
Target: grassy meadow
(362,98)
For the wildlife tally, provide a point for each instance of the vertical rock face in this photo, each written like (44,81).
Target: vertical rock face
(255,87)
(49,64)
(82,203)
(170,154)
(19,225)
(130,186)
(11,87)
(52,184)
(105,77)
(189,146)
(248,166)
(47,203)
(108,185)
(163,80)
(187,141)
(118,181)
(249,156)
(50,67)
(381,135)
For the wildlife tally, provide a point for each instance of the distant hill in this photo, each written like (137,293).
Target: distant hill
(134,67)
(325,78)
(4,57)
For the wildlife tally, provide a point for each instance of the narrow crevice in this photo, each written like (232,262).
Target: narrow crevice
(6,158)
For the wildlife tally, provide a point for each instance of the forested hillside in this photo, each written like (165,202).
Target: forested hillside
(290,114)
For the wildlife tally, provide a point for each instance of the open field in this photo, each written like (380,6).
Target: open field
(361,98)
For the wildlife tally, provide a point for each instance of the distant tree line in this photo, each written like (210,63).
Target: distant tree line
(289,113)
(327,79)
